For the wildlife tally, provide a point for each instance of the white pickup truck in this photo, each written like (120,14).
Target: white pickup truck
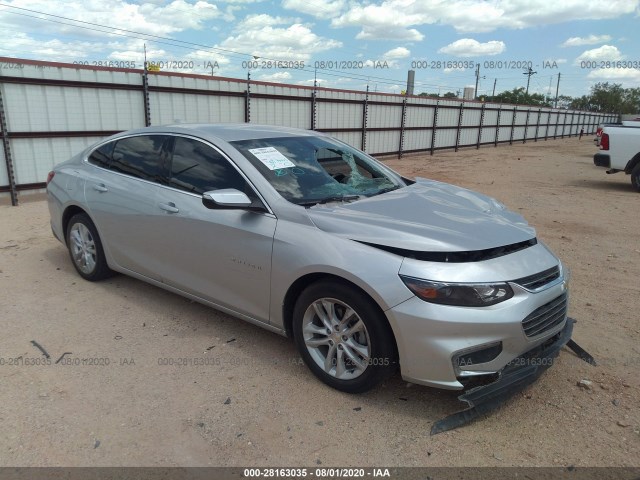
(620,150)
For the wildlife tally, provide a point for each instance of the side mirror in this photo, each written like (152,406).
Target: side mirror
(229,198)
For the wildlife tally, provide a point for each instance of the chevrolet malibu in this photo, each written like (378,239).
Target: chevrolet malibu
(301,234)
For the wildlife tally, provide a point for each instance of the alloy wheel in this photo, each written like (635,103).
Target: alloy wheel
(336,338)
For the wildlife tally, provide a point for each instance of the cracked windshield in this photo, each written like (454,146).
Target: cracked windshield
(311,170)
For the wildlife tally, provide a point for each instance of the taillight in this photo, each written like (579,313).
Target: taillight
(50,176)
(604,141)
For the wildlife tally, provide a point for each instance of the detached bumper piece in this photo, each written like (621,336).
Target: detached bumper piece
(602,160)
(514,378)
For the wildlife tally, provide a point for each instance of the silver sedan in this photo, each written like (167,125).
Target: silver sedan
(301,234)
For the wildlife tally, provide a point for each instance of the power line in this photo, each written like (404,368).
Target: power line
(194,46)
(227,52)
(106,29)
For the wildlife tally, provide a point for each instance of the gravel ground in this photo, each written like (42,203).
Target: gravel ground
(255,404)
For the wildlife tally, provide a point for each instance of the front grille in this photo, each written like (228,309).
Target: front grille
(546,317)
(539,279)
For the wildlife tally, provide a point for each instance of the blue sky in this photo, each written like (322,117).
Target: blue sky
(344,43)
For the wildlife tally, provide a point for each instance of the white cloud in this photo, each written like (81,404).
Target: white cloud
(628,77)
(179,15)
(395,53)
(229,16)
(162,20)
(275,77)
(394,18)
(22,45)
(317,8)
(468,47)
(262,20)
(206,57)
(386,21)
(590,40)
(153,55)
(603,53)
(240,2)
(297,42)
(319,81)
(390,33)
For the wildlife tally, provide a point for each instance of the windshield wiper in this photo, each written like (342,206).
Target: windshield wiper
(333,198)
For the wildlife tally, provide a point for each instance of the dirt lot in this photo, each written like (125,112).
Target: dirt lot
(255,404)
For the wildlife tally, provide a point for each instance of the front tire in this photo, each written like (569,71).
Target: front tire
(635,177)
(343,337)
(85,249)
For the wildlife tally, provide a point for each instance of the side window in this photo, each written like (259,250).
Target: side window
(198,168)
(142,157)
(101,156)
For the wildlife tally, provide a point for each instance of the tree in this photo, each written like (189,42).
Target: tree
(632,99)
(437,95)
(580,103)
(564,101)
(609,98)
(520,97)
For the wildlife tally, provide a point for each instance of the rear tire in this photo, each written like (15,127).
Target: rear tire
(85,249)
(635,177)
(343,337)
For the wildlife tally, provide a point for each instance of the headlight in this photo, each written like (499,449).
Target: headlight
(459,294)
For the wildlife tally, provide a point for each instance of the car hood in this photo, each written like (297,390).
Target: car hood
(427,216)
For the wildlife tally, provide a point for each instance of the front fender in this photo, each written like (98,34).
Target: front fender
(300,250)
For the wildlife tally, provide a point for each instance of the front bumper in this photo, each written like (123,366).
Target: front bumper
(512,379)
(430,337)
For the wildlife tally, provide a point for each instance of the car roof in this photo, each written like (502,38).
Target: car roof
(228,132)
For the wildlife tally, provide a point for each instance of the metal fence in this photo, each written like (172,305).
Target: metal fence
(50,111)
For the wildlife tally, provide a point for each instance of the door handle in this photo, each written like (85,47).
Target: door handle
(100,187)
(169,207)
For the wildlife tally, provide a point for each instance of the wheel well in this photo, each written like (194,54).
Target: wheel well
(66,216)
(303,282)
(632,163)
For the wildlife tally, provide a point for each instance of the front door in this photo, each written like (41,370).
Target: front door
(223,256)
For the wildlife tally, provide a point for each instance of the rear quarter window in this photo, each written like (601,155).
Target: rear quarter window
(142,156)
(101,156)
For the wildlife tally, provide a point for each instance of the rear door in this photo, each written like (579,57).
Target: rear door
(121,193)
(223,256)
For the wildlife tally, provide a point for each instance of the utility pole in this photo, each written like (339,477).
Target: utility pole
(475,92)
(555,104)
(495,80)
(529,73)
